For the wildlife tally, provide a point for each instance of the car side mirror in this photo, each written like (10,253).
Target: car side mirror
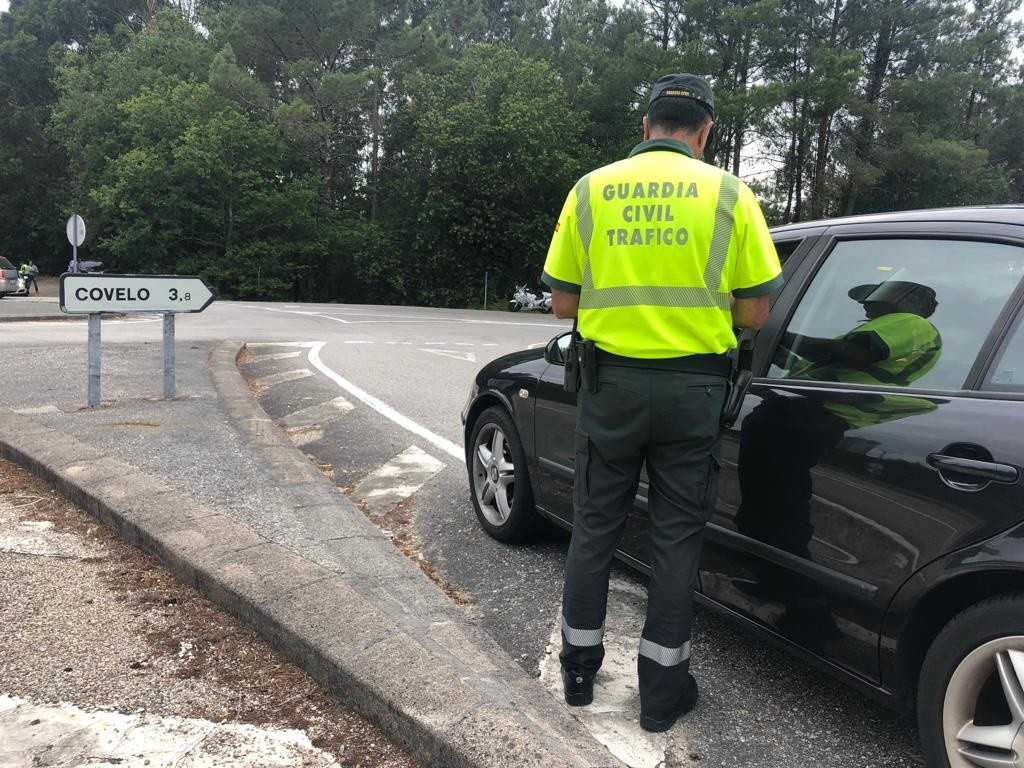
(554,352)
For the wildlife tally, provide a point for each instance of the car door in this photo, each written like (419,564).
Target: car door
(556,423)
(856,459)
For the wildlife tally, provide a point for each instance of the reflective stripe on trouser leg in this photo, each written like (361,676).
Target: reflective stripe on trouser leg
(666,657)
(582,637)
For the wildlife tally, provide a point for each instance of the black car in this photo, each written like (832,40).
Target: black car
(870,522)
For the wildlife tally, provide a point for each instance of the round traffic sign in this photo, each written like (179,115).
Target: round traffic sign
(76,230)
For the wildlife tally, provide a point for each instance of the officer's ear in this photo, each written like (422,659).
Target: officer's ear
(702,137)
(647,128)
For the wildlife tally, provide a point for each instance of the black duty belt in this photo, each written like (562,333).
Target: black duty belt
(710,365)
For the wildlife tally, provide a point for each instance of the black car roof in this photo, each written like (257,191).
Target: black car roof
(998,214)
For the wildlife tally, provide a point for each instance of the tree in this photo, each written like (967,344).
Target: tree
(34,180)
(494,150)
(178,177)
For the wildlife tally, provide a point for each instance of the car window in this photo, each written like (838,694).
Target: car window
(785,248)
(5,264)
(1007,375)
(898,312)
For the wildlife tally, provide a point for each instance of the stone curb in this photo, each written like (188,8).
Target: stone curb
(58,317)
(376,632)
(38,318)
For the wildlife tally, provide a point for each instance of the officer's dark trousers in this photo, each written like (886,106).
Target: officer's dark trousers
(671,420)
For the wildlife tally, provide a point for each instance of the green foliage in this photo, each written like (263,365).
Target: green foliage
(179,178)
(493,145)
(395,150)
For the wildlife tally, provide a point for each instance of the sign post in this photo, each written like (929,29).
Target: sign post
(168,355)
(94,359)
(75,228)
(168,295)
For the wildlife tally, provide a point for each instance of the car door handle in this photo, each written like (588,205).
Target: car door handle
(983,470)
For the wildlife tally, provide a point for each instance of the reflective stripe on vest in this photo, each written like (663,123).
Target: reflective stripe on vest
(706,295)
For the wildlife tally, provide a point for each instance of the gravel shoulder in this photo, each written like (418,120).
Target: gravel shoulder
(87,621)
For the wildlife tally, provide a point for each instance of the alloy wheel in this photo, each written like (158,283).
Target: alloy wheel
(493,474)
(983,711)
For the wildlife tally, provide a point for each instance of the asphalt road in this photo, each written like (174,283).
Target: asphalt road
(404,374)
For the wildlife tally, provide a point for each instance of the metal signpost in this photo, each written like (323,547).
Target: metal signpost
(92,294)
(75,227)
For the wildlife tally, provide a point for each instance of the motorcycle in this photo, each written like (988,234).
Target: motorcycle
(527,299)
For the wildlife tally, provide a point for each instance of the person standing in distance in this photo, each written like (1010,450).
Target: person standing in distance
(659,256)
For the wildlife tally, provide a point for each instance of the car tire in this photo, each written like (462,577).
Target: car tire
(972,685)
(499,480)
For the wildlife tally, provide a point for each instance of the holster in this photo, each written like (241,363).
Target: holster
(580,364)
(739,383)
(572,364)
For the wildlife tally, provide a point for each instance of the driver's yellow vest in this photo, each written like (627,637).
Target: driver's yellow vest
(914,348)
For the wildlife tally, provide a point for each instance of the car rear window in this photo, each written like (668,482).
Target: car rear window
(5,264)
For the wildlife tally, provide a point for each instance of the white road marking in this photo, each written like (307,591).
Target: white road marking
(283,376)
(304,344)
(276,356)
(538,345)
(613,718)
(403,318)
(381,407)
(318,414)
(397,480)
(40,409)
(301,436)
(31,731)
(469,357)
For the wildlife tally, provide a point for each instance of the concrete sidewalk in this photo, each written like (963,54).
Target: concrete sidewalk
(16,309)
(210,485)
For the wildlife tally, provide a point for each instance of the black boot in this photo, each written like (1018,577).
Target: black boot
(579,688)
(662,721)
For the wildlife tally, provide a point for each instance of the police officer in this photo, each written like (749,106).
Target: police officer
(659,256)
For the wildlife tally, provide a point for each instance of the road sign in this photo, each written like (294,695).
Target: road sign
(89,293)
(75,228)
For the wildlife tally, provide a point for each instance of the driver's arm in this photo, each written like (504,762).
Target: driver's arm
(859,351)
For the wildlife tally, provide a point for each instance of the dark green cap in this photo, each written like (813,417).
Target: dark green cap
(903,295)
(685,86)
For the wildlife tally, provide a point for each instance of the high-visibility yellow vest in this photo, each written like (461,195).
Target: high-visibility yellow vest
(655,245)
